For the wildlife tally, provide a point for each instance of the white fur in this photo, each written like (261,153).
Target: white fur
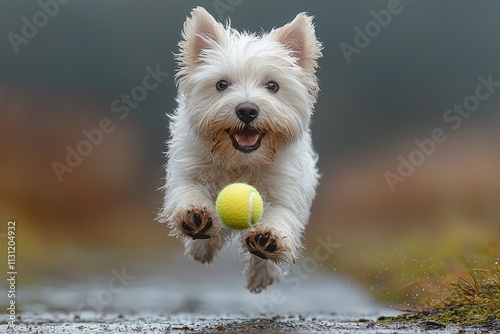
(201,158)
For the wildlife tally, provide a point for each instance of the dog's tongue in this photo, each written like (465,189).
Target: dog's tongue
(247,137)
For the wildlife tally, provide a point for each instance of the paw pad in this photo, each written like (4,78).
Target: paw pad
(262,245)
(196,223)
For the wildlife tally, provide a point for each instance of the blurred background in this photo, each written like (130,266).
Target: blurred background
(62,76)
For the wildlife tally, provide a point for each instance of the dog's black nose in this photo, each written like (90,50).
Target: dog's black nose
(247,112)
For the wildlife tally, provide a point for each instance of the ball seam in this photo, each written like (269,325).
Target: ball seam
(250,200)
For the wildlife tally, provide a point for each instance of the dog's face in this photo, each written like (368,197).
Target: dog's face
(247,96)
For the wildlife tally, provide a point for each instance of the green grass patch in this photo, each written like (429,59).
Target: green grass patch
(467,296)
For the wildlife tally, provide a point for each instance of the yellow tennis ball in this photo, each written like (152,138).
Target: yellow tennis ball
(239,206)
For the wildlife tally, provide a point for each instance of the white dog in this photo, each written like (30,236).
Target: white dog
(244,107)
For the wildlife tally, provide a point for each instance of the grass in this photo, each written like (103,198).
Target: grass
(391,262)
(468,296)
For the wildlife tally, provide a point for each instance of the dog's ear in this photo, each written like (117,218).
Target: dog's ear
(201,31)
(300,37)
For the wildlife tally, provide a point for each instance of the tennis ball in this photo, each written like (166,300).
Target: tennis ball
(239,206)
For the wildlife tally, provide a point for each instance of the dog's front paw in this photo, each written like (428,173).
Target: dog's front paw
(267,243)
(196,223)
(262,245)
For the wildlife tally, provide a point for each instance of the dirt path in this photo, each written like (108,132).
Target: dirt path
(156,323)
(187,297)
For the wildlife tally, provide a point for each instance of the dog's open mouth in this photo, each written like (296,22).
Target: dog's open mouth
(246,140)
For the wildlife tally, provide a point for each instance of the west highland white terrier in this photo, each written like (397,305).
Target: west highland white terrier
(245,103)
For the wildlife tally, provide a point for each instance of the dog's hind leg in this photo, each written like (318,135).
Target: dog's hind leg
(205,250)
(261,273)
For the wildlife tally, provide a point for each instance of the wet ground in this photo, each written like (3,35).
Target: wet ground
(151,322)
(187,297)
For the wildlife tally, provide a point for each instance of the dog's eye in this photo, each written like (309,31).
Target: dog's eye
(221,85)
(272,86)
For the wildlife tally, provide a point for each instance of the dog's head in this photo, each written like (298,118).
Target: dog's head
(245,95)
